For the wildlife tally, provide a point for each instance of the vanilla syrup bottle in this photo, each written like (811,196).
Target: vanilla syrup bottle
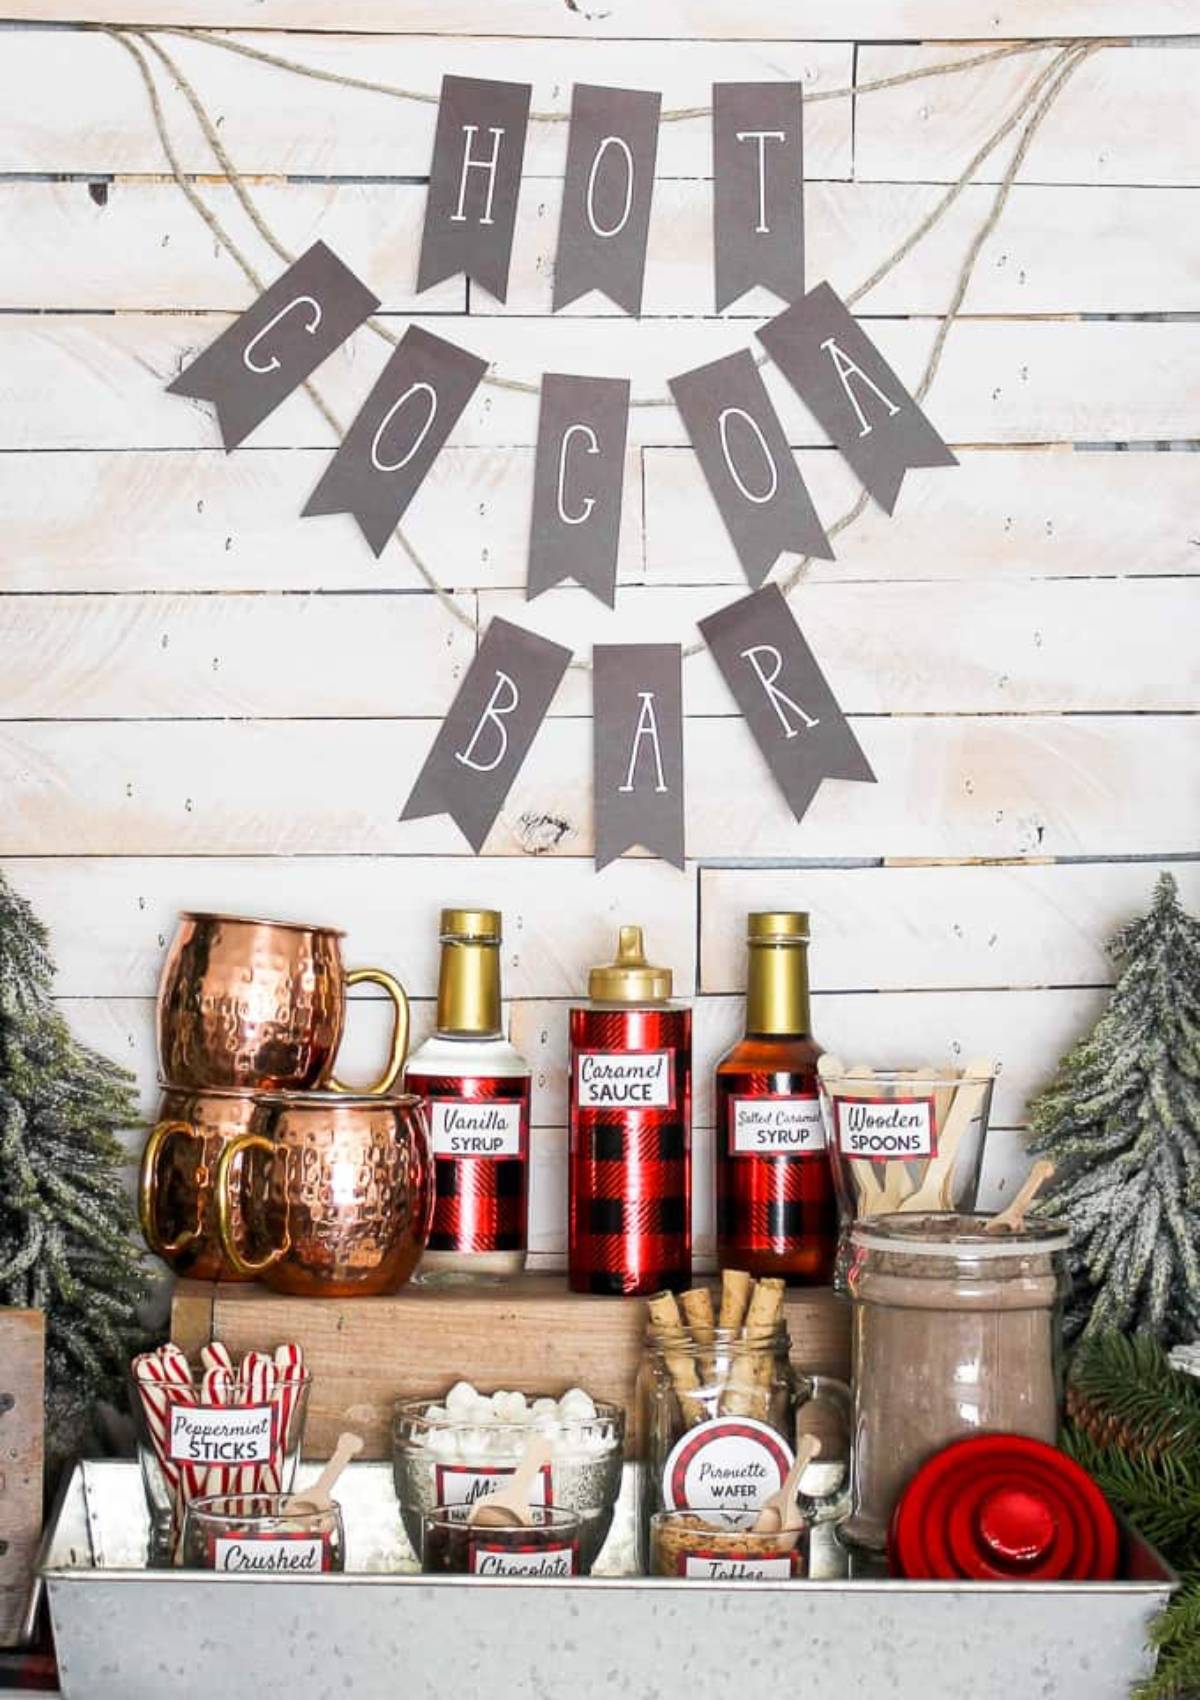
(476,1091)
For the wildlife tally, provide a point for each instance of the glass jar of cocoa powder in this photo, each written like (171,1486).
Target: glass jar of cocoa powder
(955,1330)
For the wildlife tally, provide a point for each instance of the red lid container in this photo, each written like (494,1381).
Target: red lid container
(1001,1507)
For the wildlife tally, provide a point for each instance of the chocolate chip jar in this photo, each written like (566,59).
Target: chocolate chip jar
(630,1091)
(476,1090)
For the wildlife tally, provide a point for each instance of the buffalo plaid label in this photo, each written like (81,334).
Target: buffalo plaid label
(886,1128)
(625,1080)
(504,1558)
(720,1567)
(776,1126)
(480,1136)
(727,1464)
(478,1130)
(283,1554)
(462,1484)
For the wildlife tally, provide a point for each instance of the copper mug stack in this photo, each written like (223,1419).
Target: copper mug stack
(250,1018)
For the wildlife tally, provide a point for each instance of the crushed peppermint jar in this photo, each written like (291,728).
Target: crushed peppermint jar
(456,1451)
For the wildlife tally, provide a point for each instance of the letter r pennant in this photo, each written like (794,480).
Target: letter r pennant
(485,737)
(784,697)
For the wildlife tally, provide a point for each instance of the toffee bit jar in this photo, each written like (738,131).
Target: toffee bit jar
(955,1330)
(721,1415)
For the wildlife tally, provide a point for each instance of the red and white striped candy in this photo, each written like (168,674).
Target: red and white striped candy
(257,1388)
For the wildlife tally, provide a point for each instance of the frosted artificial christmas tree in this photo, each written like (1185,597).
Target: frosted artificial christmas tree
(1121,1122)
(66,1223)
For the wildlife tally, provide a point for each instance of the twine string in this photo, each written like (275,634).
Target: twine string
(1036,101)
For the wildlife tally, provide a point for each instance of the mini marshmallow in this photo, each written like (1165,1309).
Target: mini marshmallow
(460,1399)
(576,1405)
(545,1407)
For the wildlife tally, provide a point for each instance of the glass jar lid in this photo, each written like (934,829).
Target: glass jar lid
(952,1235)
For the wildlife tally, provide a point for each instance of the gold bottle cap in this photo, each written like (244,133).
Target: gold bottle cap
(471,924)
(778,926)
(630,978)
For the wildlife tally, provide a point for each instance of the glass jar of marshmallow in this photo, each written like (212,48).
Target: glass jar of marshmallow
(455,1451)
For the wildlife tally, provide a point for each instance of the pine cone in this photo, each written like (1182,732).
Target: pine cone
(1103,1429)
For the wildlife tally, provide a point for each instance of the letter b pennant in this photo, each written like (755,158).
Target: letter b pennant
(783,695)
(485,737)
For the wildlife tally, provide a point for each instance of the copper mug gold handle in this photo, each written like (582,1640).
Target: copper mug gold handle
(148,1189)
(399,997)
(224,1190)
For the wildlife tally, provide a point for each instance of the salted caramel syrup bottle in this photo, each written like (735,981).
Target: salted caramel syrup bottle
(630,1096)
(776,1206)
(476,1091)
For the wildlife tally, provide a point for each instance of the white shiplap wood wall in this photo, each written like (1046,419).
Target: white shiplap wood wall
(209,702)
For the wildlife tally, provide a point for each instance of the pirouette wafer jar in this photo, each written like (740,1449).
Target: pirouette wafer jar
(956,1329)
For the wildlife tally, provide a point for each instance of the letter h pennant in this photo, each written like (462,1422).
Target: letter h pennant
(486,736)
(781,691)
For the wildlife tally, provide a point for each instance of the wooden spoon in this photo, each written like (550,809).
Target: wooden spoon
(935,1191)
(1012,1217)
(318,1496)
(510,1503)
(779,1510)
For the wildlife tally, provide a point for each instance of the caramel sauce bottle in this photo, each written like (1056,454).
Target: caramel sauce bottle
(776,1206)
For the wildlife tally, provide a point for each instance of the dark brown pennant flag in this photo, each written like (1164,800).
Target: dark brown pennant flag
(471,209)
(485,737)
(745,457)
(840,375)
(758,189)
(277,343)
(398,434)
(607,190)
(637,734)
(783,696)
(578,480)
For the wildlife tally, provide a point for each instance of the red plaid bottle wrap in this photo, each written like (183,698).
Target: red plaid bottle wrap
(630,1156)
(479,1132)
(776,1205)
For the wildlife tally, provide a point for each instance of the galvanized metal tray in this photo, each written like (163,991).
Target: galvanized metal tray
(127,1633)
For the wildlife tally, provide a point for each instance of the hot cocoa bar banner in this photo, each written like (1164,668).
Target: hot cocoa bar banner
(576,500)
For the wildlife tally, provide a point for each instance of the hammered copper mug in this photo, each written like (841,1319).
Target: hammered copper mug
(346,1199)
(176,1197)
(261,1005)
